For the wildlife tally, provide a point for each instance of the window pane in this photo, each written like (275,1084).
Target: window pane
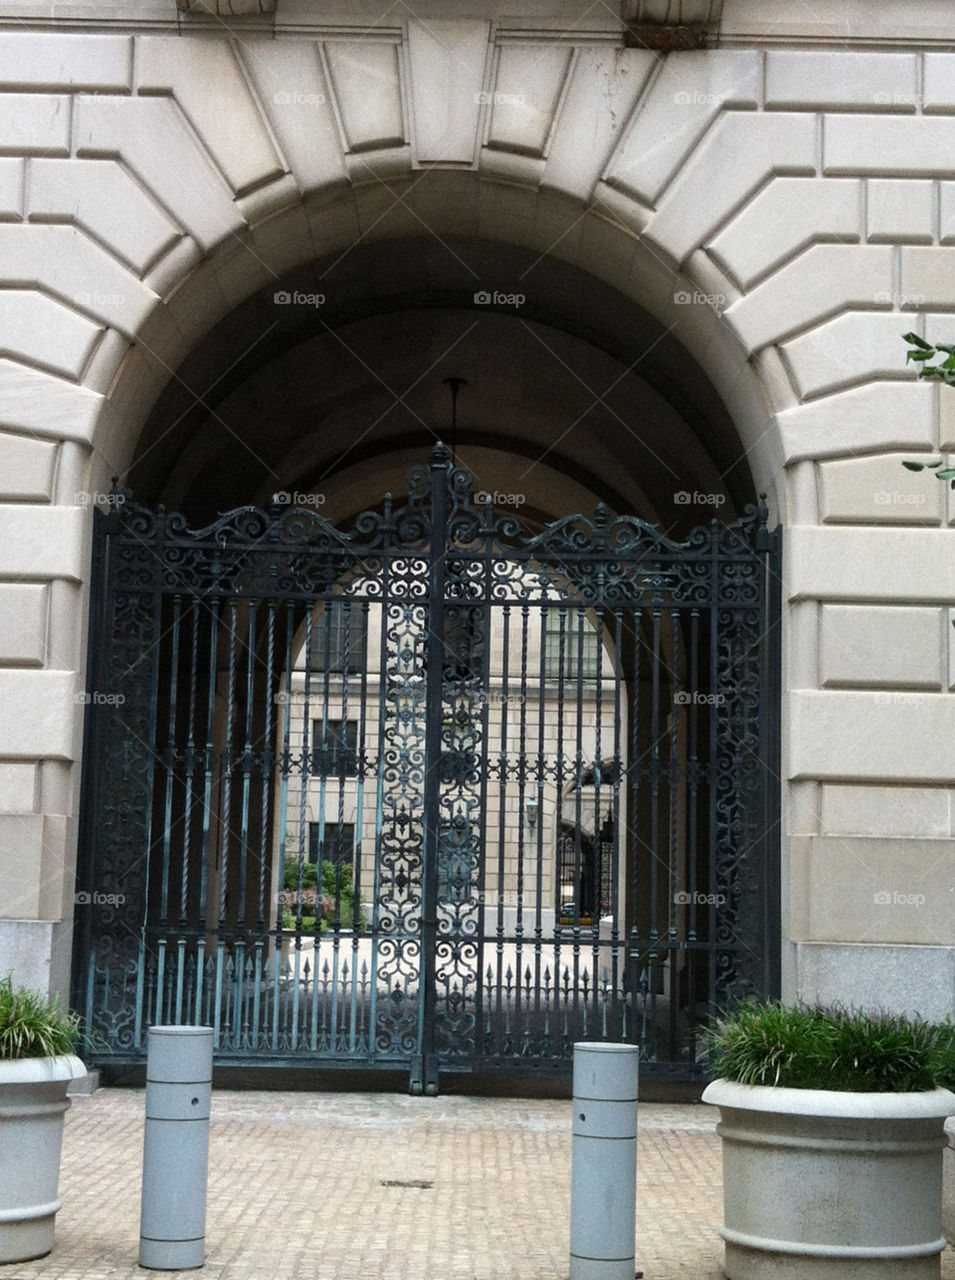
(335,748)
(337,845)
(579,651)
(339,638)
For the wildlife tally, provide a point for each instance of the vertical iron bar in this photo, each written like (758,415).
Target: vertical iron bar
(432,785)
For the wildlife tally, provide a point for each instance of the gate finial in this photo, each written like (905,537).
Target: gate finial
(439,454)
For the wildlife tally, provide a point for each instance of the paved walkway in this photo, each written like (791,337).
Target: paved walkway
(310,1185)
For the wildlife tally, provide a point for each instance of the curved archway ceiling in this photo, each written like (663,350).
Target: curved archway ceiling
(331,382)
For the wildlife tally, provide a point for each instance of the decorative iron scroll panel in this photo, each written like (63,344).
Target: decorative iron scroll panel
(432,792)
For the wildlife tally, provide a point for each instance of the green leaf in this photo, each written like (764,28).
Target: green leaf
(916,466)
(916,341)
(920,355)
(947,474)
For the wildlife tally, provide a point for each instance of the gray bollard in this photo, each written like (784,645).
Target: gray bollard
(603,1186)
(172,1231)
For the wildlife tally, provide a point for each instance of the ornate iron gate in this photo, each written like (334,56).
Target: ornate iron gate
(435,791)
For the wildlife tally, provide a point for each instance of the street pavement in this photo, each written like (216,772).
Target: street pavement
(368,1186)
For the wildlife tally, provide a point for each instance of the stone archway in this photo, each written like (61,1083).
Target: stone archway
(153,182)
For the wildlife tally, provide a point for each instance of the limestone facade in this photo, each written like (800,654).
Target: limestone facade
(781,203)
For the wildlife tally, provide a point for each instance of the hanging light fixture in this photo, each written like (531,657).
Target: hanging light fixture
(454,385)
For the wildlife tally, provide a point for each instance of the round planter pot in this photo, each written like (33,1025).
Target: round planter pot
(33,1104)
(948,1183)
(831,1186)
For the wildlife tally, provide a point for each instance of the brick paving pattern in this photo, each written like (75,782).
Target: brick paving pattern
(310,1185)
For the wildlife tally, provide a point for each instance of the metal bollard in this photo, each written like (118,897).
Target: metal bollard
(603,1188)
(172,1230)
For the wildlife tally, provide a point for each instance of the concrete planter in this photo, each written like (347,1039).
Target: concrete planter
(33,1103)
(831,1186)
(948,1183)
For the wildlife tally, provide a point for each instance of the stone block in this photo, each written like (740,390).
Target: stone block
(938,86)
(27,468)
(35,124)
(898,978)
(66,263)
(681,105)
(869,81)
(946,212)
(899,812)
(527,89)
(900,211)
(11,188)
(102,198)
(825,279)
(23,623)
(206,81)
(842,736)
(42,542)
(26,952)
(366,82)
(863,890)
(21,856)
(883,146)
(65,60)
(738,156)
(153,139)
(583,138)
(852,348)
(33,401)
(298,102)
(868,646)
(773,226)
(877,490)
(928,276)
(447,66)
(906,566)
(40,331)
(879,416)
(18,787)
(42,715)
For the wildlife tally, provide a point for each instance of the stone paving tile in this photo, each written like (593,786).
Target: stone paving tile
(297,1190)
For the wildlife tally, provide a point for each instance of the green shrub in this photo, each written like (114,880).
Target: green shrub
(815,1047)
(336,885)
(32,1025)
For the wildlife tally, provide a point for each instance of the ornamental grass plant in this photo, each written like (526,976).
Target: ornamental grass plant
(831,1047)
(33,1025)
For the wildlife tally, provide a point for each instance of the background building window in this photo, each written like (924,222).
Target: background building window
(335,748)
(339,638)
(332,842)
(570,634)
